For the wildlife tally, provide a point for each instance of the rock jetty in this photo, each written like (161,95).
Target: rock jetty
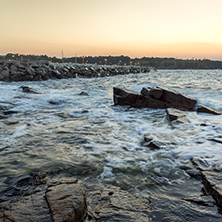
(14,71)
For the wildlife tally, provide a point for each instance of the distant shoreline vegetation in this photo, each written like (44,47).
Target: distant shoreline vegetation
(155,62)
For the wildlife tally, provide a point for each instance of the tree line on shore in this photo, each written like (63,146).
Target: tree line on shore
(155,62)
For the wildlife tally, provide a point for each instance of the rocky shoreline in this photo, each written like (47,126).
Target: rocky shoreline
(45,197)
(14,71)
(58,196)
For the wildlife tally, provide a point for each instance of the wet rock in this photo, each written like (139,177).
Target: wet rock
(170,209)
(195,166)
(207,201)
(176,116)
(158,140)
(110,203)
(67,202)
(28,208)
(153,145)
(34,197)
(158,98)
(205,109)
(157,93)
(29,90)
(83,94)
(122,96)
(212,182)
(178,99)
(145,91)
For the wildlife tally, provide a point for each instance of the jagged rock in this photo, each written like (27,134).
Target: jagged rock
(153,92)
(153,145)
(170,209)
(83,94)
(157,93)
(212,182)
(205,109)
(122,96)
(29,90)
(176,116)
(178,99)
(158,98)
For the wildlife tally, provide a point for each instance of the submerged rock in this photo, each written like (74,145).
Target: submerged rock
(83,94)
(176,116)
(205,109)
(29,90)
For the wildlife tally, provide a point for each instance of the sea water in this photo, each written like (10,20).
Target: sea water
(90,138)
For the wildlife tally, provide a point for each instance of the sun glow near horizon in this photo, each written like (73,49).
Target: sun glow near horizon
(135,28)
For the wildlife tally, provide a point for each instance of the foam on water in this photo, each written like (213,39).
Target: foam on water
(60,126)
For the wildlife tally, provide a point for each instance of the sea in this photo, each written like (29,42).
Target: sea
(62,132)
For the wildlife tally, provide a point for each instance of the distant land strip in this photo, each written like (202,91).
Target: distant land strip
(155,62)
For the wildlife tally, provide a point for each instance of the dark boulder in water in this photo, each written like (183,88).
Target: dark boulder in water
(83,94)
(158,98)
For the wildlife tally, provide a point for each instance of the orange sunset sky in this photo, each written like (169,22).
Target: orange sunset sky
(137,28)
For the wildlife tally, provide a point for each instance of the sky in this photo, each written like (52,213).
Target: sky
(135,28)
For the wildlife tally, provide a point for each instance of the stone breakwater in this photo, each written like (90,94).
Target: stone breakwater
(14,71)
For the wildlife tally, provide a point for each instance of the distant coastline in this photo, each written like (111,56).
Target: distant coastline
(155,62)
